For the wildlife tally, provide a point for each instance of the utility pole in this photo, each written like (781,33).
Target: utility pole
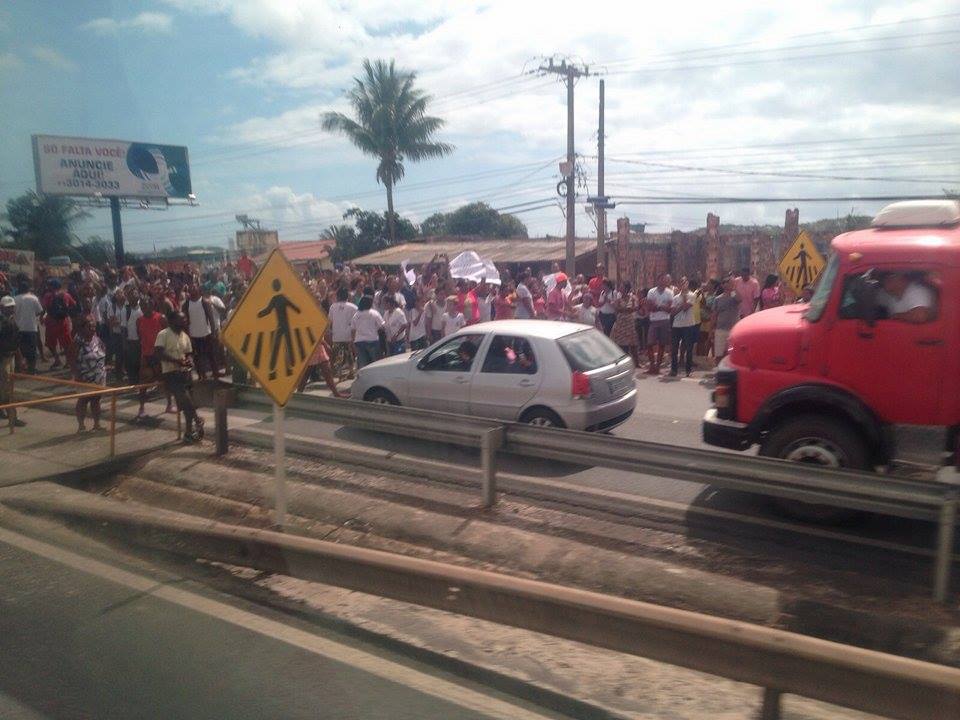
(570,72)
(601,212)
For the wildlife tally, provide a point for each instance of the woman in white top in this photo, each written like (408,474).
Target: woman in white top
(607,307)
(365,330)
(417,325)
(434,311)
(395,325)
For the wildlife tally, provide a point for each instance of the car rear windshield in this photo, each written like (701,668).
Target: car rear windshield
(589,350)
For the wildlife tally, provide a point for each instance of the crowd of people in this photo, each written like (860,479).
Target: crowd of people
(143,323)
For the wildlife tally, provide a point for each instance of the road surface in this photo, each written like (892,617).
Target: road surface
(90,637)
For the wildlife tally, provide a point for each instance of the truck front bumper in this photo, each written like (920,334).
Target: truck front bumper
(725,433)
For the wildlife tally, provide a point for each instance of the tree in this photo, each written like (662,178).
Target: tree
(390,123)
(367,236)
(474,219)
(96,251)
(43,223)
(436,224)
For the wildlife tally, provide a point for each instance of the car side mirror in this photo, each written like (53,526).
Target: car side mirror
(422,365)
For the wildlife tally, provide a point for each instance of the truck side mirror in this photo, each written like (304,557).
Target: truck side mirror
(864,292)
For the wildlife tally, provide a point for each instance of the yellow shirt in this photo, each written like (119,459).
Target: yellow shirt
(175,345)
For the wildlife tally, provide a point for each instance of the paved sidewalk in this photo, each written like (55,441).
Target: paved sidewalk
(49,444)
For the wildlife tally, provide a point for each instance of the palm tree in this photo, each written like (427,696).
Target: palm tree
(43,223)
(390,123)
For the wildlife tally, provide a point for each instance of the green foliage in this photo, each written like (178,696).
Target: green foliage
(369,234)
(43,224)
(96,251)
(389,122)
(474,219)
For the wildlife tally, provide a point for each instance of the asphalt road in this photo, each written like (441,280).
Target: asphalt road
(85,637)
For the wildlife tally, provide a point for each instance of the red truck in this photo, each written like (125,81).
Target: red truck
(870,364)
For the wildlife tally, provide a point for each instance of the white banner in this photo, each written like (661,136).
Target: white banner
(470,266)
(84,166)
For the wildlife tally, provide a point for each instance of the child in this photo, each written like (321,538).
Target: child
(453,320)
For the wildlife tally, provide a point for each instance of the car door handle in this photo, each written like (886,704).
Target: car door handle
(526,383)
(461,380)
(930,341)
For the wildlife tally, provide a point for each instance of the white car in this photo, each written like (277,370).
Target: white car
(541,372)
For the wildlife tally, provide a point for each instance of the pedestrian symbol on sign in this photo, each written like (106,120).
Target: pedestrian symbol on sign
(279,304)
(801,264)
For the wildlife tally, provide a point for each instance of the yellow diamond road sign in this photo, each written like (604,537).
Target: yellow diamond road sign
(801,264)
(275,328)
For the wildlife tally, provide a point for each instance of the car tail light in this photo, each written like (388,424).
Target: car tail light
(580,385)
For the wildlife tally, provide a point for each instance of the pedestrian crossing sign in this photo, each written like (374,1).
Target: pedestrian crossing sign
(801,264)
(276,328)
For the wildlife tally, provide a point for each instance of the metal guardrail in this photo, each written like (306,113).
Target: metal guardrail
(776,660)
(85,390)
(935,501)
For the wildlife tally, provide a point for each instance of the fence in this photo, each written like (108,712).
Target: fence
(86,390)
(930,500)
(776,660)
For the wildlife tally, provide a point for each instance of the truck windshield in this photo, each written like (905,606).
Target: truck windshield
(818,303)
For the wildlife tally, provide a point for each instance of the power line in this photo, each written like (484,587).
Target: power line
(640,200)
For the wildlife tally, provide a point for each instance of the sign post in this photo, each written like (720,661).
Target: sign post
(273,332)
(280,463)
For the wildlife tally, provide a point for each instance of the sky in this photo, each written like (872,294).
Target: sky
(787,100)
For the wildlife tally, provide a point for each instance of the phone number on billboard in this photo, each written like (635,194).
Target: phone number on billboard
(105,184)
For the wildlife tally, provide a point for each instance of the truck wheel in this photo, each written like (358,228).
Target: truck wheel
(816,440)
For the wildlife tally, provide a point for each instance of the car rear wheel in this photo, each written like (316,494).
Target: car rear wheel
(381,396)
(816,440)
(542,417)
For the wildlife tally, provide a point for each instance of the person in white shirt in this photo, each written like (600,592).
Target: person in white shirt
(585,312)
(607,306)
(452,319)
(417,325)
(434,309)
(525,309)
(131,353)
(485,295)
(200,328)
(686,329)
(340,314)
(26,316)
(395,325)
(906,300)
(365,327)
(660,304)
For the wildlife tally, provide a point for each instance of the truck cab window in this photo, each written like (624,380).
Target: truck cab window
(901,295)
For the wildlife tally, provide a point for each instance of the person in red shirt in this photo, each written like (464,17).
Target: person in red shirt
(59,306)
(149,326)
(596,282)
(245,265)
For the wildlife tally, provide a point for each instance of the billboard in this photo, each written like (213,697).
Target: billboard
(13,262)
(257,242)
(110,168)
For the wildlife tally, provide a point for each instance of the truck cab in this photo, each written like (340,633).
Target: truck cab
(867,374)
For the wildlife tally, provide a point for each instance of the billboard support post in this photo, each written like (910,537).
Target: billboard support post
(117,230)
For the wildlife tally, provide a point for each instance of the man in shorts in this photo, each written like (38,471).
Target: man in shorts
(660,303)
(175,353)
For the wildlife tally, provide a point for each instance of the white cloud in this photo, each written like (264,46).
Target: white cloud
(53,58)
(700,78)
(145,21)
